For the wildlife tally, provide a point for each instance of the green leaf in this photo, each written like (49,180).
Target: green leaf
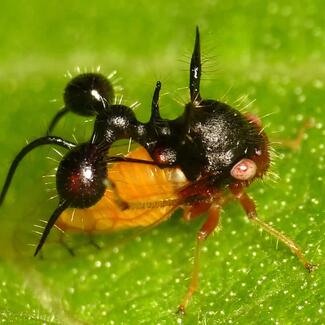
(272,52)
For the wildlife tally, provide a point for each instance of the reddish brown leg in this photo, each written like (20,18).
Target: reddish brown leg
(195,210)
(123,205)
(249,206)
(295,143)
(208,227)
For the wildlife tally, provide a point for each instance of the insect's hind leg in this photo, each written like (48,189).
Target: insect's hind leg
(72,250)
(64,244)
(249,206)
(208,227)
(92,241)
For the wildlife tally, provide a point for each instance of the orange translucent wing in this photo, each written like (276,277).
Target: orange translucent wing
(151,192)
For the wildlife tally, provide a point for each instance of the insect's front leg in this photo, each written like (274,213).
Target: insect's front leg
(208,227)
(295,143)
(195,210)
(249,206)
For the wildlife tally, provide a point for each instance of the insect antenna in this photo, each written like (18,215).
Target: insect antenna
(195,70)
(55,215)
(29,147)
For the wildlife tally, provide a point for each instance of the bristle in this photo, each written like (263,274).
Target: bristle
(263,129)
(242,103)
(115,81)
(51,175)
(48,190)
(72,215)
(118,88)
(74,137)
(118,99)
(58,152)
(223,98)
(49,183)
(58,228)
(52,159)
(135,105)
(243,108)
(68,74)
(240,100)
(38,226)
(267,115)
(181,100)
(129,145)
(112,74)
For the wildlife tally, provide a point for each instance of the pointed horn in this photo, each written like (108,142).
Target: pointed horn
(155,115)
(195,70)
(55,215)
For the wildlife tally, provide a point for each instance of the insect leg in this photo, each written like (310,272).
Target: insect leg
(56,119)
(249,206)
(208,227)
(65,245)
(295,143)
(122,204)
(92,241)
(195,210)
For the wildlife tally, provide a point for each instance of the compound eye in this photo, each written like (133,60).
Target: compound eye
(244,170)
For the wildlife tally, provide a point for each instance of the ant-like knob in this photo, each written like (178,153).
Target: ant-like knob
(81,176)
(86,94)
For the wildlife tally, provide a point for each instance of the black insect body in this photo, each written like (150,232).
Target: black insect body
(86,94)
(207,140)
(209,149)
(80,176)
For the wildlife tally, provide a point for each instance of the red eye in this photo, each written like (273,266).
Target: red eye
(244,170)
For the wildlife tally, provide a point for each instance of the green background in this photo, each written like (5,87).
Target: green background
(271,51)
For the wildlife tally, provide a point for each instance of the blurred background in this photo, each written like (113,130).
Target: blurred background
(265,56)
